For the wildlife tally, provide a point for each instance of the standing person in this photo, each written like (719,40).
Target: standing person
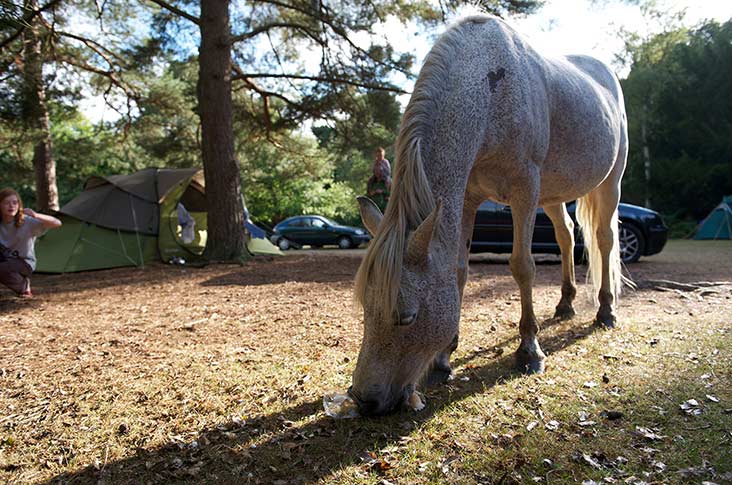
(378,187)
(18,232)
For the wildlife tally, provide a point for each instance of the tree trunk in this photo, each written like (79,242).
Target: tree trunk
(35,114)
(646,156)
(226,238)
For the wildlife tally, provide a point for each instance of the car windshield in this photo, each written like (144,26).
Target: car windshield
(328,221)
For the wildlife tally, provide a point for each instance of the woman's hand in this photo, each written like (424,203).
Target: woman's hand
(49,222)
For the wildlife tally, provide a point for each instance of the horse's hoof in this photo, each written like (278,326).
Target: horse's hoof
(439,375)
(606,321)
(564,312)
(529,362)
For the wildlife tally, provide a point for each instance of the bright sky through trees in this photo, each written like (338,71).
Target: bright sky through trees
(584,27)
(560,27)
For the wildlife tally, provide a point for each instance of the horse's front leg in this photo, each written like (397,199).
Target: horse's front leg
(529,356)
(441,369)
(564,233)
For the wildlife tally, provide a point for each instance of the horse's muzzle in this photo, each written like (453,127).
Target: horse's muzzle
(377,405)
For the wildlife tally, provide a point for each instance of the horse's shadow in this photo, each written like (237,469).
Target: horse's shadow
(272,447)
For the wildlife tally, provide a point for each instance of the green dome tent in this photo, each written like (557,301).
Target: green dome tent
(127,220)
(718,224)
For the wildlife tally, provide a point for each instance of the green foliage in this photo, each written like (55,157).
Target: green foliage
(167,128)
(372,121)
(293,176)
(680,89)
(150,77)
(83,150)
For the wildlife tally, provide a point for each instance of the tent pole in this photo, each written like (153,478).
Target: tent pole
(137,231)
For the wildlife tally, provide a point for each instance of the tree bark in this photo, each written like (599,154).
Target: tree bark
(226,237)
(646,156)
(35,113)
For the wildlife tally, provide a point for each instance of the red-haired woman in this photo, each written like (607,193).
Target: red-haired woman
(18,232)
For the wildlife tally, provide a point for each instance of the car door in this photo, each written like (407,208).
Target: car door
(543,239)
(493,228)
(543,231)
(296,231)
(321,232)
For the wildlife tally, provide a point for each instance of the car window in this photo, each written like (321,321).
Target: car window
(489,205)
(317,223)
(297,223)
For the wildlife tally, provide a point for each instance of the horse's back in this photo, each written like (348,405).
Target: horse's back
(489,81)
(587,126)
(600,73)
(520,113)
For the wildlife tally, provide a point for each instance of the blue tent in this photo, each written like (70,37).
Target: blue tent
(718,224)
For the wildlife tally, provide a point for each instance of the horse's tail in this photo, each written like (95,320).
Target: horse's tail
(589,220)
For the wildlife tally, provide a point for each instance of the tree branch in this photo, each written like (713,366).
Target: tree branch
(25,22)
(337,29)
(129,91)
(177,11)
(95,46)
(266,27)
(333,80)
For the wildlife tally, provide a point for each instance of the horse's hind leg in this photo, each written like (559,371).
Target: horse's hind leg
(604,200)
(598,215)
(529,356)
(564,233)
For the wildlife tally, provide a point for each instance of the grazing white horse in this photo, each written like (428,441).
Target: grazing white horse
(489,118)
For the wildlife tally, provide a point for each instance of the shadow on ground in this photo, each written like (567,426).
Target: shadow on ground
(269,448)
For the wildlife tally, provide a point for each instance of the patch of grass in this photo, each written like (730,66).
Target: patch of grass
(226,385)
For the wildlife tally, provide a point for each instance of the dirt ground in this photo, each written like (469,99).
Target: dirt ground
(102,370)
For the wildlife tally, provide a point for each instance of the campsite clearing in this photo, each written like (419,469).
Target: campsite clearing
(216,375)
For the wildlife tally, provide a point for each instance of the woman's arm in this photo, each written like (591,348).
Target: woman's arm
(49,222)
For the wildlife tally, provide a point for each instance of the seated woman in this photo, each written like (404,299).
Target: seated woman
(18,232)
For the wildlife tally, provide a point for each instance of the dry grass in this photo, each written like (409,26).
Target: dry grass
(215,375)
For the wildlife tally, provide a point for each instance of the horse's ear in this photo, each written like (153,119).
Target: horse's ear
(370,214)
(419,243)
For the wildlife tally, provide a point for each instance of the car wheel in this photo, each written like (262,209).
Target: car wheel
(344,242)
(283,244)
(632,243)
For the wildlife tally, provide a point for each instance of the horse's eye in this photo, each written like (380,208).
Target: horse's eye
(407,318)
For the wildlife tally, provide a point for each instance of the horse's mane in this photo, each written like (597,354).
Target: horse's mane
(411,200)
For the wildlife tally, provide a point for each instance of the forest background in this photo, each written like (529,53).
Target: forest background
(314,89)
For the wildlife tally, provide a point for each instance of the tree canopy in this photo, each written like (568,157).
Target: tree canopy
(680,85)
(292,63)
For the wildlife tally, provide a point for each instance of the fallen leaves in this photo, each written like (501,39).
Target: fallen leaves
(372,462)
(649,434)
(552,425)
(691,407)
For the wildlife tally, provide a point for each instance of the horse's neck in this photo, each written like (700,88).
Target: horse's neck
(448,183)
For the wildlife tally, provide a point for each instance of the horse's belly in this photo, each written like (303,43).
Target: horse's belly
(569,179)
(579,158)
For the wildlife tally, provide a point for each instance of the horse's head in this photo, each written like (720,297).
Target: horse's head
(400,343)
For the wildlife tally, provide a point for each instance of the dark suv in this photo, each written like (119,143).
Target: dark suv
(642,231)
(316,231)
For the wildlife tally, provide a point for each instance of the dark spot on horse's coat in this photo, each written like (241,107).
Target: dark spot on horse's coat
(494,77)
